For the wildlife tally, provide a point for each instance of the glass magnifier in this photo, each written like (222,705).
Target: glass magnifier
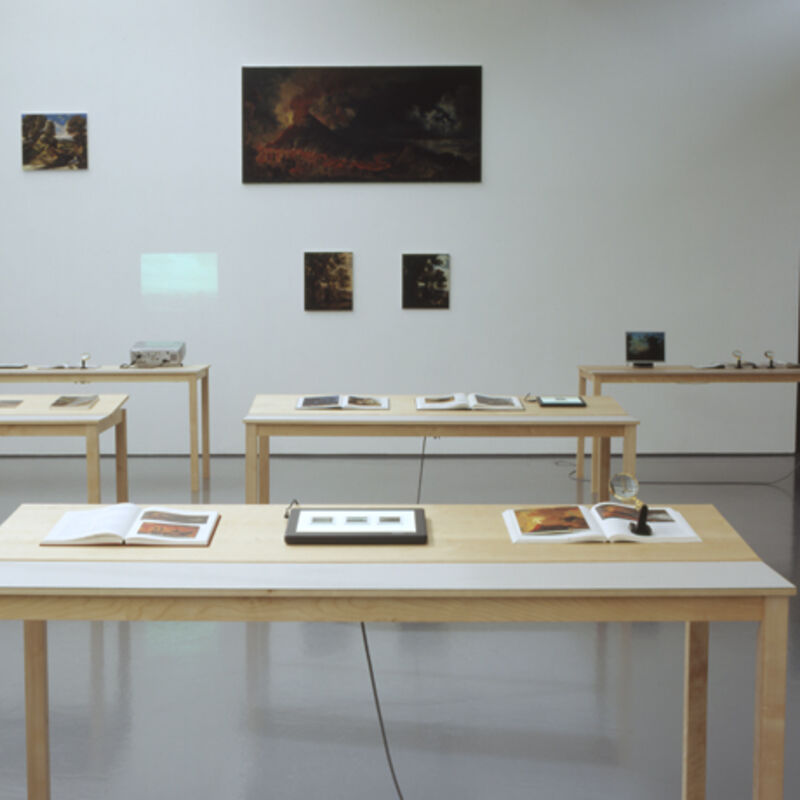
(737,354)
(626,488)
(770,356)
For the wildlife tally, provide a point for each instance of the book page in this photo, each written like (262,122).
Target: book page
(491,402)
(666,524)
(442,402)
(320,401)
(169,526)
(97,526)
(365,402)
(551,524)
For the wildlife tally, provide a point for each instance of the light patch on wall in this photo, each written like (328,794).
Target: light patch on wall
(179,280)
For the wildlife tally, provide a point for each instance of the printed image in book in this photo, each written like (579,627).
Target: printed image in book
(75,401)
(359,401)
(604,522)
(126,523)
(6,402)
(551,519)
(461,400)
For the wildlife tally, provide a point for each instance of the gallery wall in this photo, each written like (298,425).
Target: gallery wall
(640,171)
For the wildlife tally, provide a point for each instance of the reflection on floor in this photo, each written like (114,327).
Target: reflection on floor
(250,711)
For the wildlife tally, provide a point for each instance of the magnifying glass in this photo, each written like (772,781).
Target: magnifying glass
(626,488)
(770,356)
(737,354)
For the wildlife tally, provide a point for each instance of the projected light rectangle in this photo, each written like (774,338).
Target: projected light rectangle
(179,274)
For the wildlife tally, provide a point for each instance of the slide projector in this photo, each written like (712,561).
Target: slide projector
(157,354)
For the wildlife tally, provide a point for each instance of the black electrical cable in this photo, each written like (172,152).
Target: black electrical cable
(421,467)
(769,484)
(380,714)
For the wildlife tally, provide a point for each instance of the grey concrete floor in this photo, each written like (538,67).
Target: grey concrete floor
(284,710)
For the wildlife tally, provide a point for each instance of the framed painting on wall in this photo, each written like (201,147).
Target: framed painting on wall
(54,141)
(328,281)
(426,280)
(361,124)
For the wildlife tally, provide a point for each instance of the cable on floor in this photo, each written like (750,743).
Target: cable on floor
(379,713)
(421,467)
(770,484)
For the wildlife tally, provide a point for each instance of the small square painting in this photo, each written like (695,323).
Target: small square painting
(426,280)
(54,141)
(328,281)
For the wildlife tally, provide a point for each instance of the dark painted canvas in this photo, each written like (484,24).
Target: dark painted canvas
(361,124)
(426,280)
(328,281)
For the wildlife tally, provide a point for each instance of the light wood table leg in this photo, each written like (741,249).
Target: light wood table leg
(37,727)
(602,468)
(770,712)
(206,426)
(250,464)
(263,469)
(194,458)
(629,450)
(93,465)
(581,448)
(121,456)
(695,704)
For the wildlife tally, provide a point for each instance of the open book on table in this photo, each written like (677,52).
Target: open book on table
(75,401)
(126,523)
(459,400)
(359,401)
(604,522)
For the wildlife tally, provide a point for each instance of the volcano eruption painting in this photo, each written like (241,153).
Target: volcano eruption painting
(361,124)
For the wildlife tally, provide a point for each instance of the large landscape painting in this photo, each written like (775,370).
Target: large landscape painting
(361,124)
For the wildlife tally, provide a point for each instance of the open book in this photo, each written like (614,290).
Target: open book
(126,523)
(359,401)
(459,400)
(75,401)
(604,522)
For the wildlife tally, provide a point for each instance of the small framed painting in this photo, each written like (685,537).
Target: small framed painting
(426,280)
(54,141)
(328,281)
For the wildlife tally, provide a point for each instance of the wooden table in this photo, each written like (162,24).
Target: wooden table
(598,375)
(469,572)
(276,415)
(190,375)
(35,416)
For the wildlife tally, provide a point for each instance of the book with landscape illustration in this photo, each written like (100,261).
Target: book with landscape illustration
(603,522)
(126,523)
(359,401)
(460,400)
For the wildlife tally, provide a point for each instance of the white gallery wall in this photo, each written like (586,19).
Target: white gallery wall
(641,170)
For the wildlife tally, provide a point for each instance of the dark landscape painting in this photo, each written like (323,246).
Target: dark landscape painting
(426,280)
(361,124)
(54,141)
(328,281)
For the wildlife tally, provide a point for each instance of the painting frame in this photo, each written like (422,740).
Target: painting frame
(369,124)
